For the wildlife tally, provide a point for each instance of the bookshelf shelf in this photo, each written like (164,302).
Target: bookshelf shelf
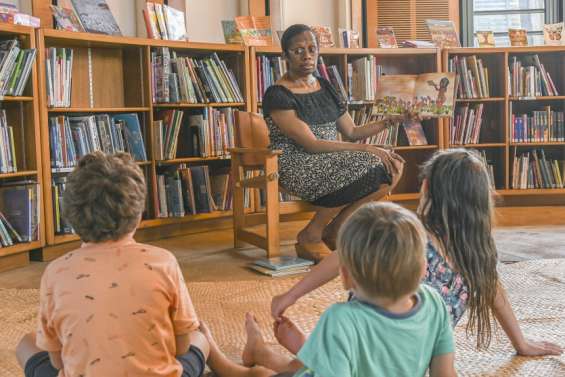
(479,100)
(415,147)
(531,192)
(480,145)
(187,218)
(189,160)
(16,99)
(19,248)
(198,105)
(29,173)
(541,98)
(538,144)
(98,109)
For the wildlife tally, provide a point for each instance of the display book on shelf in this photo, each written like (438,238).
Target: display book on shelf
(354,74)
(21,217)
(83,115)
(517,123)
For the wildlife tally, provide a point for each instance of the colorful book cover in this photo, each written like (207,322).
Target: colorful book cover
(255,31)
(485,38)
(161,20)
(553,34)
(133,134)
(151,21)
(66,19)
(324,36)
(176,23)
(443,33)
(415,133)
(428,94)
(518,37)
(231,33)
(386,37)
(96,17)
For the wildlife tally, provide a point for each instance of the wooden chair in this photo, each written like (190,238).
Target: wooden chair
(251,153)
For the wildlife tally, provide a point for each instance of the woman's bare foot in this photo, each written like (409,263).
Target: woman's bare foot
(255,341)
(309,235)
(329,236)
(289,335)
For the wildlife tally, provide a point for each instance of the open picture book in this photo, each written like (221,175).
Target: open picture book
(427,95)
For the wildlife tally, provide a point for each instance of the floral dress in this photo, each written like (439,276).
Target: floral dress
(448,283)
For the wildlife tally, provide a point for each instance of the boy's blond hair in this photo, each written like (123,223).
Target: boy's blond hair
(382,246)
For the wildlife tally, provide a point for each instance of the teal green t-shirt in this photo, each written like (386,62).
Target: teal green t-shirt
(357,339)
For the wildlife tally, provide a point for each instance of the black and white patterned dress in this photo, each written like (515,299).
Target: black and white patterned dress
(331,179)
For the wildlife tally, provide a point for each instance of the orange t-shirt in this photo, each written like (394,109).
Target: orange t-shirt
(114,309)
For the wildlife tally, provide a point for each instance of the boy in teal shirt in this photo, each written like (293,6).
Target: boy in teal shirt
(392,327)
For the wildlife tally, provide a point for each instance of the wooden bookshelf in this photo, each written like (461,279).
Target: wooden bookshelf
(22,114)
(496,132)
(394,61)
(113,75)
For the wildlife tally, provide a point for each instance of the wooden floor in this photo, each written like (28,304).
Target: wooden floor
(210,256)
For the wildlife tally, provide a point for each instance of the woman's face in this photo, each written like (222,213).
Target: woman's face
(302,54)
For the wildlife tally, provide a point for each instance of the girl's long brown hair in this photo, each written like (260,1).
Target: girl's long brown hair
(458,210)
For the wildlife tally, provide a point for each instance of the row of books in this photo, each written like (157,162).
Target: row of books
(192,190)
(192,80)
(72,137)
(269,70)
(490,167)
(15,67)
(58,186)
(59,68)
(164,22)
(529,78)
(538,127)
(472,76)
(8,162)
(466,124)
(363,76)
(532,170)
(19,213)
(209,134)
(331,73)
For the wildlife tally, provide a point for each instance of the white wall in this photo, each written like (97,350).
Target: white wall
(125,14)
(310,12)
(205,16)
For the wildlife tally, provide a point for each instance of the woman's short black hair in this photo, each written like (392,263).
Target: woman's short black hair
(291,32)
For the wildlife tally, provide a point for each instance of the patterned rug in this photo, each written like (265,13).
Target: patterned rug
(535,289)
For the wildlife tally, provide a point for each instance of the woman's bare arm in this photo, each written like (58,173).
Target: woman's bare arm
(348,128)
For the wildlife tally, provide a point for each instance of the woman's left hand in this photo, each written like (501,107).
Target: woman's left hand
(531,348)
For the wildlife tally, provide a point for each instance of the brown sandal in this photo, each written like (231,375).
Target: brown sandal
(312,251)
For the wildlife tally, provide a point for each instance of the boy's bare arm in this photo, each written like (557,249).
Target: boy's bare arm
(443,366)
(56,360)
(183,343)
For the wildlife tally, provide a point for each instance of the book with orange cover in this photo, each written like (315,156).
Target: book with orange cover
(386,37)
(443,33)
(324,36)
(255,31)
(485,39)
(427,94)
(518,37)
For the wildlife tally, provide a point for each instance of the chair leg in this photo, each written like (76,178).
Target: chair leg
(272,208)
(238,200)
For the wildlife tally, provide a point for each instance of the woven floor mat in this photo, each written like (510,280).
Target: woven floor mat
(535,289)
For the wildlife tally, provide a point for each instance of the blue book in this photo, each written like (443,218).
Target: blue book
(134,136)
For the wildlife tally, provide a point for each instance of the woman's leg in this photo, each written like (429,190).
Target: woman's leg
(330,231)
(312,232)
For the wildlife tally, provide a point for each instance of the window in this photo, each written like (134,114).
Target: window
(500,15)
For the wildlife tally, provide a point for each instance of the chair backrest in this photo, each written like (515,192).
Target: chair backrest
(250,132)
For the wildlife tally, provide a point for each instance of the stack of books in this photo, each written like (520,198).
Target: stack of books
(19,213)
(472,76)
(538,127)
(58,186)
(192,190)
(529,78)
(15,67)
(192,80)
(466,124)
(166,134)
(363,77)
(281,266)
(269,70)
(8,163)
(331,73)
(164,22)
(72,137)
(59,67)
(532,170)
(363,115)
(489,164)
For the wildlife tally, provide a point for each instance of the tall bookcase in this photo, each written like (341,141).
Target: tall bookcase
(113,75)
(393,61)
(22,114)
(496,131)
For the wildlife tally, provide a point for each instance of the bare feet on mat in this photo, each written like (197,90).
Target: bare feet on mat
(312,251)
(255,341)
(289,335)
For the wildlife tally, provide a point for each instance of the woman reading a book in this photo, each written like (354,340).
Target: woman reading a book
(304,114)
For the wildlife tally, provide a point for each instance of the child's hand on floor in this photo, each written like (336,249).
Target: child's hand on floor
(289,335)
(531,348)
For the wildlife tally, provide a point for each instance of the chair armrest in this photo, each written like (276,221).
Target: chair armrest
(262,151)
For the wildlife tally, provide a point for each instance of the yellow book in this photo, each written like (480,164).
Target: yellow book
(13,149)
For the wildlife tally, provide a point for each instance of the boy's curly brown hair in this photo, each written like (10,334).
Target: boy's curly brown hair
(104,197)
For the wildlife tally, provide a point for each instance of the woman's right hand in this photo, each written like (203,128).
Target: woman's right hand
(390,160)
(280,303)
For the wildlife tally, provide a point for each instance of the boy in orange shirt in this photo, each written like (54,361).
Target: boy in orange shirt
(113,307)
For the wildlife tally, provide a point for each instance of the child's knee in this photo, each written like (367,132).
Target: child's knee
(26,348)
(197,339)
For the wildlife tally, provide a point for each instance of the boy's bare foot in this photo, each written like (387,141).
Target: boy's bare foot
(255,341)
(289,335)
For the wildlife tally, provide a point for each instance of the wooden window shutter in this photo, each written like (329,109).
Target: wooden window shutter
(408,17)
